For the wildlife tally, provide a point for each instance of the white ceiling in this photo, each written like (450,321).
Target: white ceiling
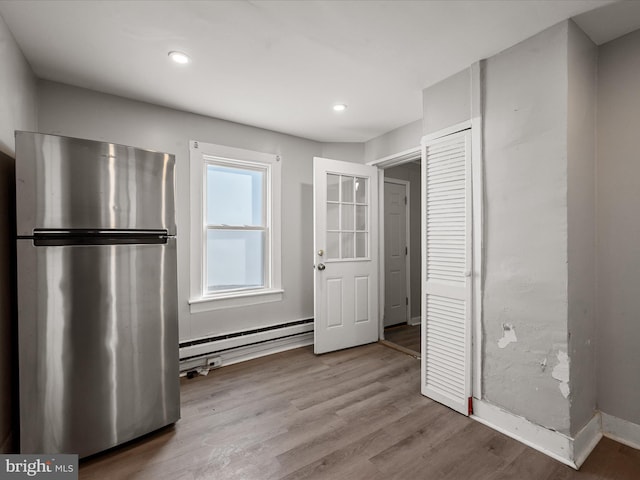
(281,65)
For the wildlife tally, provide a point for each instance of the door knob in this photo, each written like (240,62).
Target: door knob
(321,266)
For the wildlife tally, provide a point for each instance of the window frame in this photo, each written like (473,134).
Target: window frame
(203,154)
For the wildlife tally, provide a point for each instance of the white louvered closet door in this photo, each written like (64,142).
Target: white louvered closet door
(447,243)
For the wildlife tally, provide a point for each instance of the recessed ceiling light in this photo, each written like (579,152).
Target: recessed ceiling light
(179,57)
(339,107)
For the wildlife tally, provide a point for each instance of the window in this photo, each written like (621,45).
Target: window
(347,229)
(235,200)
(236,227)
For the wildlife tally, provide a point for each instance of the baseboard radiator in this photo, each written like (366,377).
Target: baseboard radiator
(202,354)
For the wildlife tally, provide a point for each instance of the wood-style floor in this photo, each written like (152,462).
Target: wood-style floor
(349,415)
(407,336)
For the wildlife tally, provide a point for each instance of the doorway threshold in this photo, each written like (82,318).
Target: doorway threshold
(400,348)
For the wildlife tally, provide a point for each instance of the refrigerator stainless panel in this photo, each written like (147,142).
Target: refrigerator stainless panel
(71,183)
(98,339)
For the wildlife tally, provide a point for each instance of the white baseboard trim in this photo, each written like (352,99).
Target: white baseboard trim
(551,443)
(570,451)
(586,439)
(621,430)
(415,321)
(249,352)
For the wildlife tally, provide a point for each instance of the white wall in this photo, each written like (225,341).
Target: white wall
(618,260)
(525,141)
(66,110)
(17,112)
(581,191)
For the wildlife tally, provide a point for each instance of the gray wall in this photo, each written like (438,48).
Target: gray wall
(525,143)
(71,111)
(411,173)
(618,259)
(17,112)
(562,257)
(447,103)
(581,154)
(525,221)
(17,91)
(403,138)
(346,151)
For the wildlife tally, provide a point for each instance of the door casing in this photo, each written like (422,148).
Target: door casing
(406,156)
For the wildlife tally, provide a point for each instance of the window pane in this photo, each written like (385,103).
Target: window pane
(361,217)
(361,245)
(347,245)
(347,189)
(333,188)
(235,259)
(361,190)
(333,216)
(333,245)
(234,196)
(347,217)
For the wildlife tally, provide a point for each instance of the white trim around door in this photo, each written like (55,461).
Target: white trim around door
(477,187)
(400,158)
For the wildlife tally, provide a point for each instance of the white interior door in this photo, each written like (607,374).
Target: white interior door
(396,299)
(345,254)
(447,263)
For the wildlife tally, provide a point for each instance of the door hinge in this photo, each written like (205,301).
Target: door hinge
(405,200)
(406,300)
(406,250)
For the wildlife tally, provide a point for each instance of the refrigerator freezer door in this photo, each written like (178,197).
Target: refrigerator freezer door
(69,183)
(98,338)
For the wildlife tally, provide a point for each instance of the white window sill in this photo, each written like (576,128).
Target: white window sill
(236,299)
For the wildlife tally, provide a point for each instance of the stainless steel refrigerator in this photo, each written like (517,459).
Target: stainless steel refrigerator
(97,293)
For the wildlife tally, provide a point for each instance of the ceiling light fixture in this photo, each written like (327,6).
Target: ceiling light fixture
(179,57)
(339,107)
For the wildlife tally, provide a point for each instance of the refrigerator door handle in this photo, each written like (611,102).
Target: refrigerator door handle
(50,238)
(81,232)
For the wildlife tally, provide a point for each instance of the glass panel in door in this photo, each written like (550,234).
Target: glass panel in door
(347,231)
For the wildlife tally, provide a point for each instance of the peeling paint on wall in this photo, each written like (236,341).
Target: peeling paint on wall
(508,335)
(561,372)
